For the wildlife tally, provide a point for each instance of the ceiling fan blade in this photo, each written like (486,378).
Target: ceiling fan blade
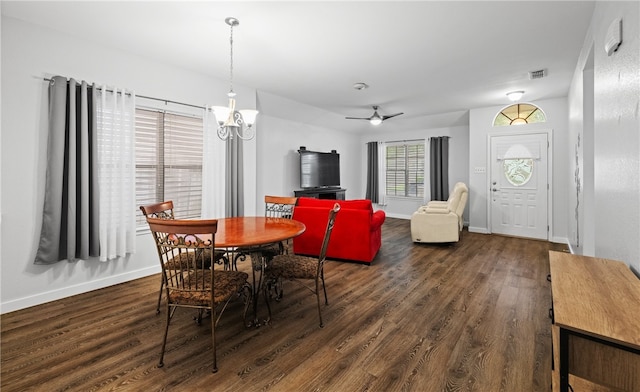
(391,115)
(357,118)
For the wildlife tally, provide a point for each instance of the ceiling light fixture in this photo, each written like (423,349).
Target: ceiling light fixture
(360,86)
(230,121)
(515,95)
(375,119)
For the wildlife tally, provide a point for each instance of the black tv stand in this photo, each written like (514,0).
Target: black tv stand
(322,193)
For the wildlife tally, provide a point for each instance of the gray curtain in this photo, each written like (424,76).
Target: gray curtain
(234,195)
(70,219)
(439,167)
(372,172)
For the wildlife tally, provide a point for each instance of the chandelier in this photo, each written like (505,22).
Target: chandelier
(232,122)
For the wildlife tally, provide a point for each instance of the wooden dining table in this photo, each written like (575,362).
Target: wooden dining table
(250,232)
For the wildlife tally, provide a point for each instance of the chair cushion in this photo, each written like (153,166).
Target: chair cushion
(293,266)
(266,250)
(183,259)
(226,284)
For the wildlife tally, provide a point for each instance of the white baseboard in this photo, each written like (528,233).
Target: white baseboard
(561,240)
(65,292)
(484,230)
(399,216)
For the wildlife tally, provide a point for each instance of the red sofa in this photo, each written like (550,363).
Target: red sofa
(357,232)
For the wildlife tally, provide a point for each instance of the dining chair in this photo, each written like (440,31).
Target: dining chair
(164,210)
(194,283)
(274,207)
(279,207)
(303,269)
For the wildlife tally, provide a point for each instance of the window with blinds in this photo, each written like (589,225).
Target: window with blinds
(168,162)
(405,169)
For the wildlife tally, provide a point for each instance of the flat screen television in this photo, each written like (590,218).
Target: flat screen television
(319,169)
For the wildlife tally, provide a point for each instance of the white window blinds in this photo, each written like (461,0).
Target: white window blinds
(168,162)
(405,169)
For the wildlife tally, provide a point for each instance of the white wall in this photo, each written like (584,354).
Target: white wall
(581,229)
(458,164)
(280,138)
(480,124)
(1,212)
(616,131)
(30,53)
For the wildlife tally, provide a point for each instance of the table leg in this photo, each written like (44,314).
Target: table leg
(563,366)
(258,262)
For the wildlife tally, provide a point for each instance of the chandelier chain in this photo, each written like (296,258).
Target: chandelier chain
(231,62)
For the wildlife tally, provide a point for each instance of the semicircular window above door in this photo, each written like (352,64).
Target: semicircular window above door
(519,113)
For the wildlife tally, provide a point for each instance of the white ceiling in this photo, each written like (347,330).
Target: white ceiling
(432,60)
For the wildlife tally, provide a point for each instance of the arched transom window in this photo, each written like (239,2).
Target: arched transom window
(519,113)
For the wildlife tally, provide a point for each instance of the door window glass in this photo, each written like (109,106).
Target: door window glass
(518,171)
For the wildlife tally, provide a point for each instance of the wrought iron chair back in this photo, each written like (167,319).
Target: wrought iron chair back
(192,282)
(279,206)
(164,210)
(303,268)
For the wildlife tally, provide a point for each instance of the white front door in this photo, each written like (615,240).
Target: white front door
(519,185)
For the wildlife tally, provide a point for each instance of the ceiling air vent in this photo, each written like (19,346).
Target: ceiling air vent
(541,73)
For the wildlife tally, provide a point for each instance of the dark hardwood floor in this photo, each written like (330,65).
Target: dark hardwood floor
(472,316)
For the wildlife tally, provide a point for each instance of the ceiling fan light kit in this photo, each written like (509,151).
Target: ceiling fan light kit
(375,119)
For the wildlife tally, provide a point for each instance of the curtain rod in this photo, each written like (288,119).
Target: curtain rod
(152,98)
(411,140)
(403,141)
(170,101)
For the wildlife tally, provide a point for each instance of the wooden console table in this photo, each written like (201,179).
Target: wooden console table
(322,193)
(596,323)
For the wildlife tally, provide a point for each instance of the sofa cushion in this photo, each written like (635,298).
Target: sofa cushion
(357,204)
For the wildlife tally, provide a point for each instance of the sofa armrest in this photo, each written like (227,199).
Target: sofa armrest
(430,210)
(377,219)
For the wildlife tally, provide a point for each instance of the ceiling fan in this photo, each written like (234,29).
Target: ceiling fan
(375,119)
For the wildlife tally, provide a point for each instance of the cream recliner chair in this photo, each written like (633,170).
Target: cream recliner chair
(441,221)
